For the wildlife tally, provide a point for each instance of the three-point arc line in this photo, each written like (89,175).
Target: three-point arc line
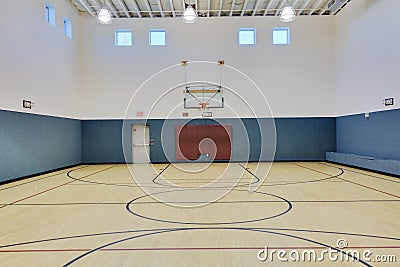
(187,249)
(52,188)
(371,188)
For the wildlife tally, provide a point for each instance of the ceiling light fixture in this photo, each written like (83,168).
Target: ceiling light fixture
(104,16)
(190,14)
(287,14)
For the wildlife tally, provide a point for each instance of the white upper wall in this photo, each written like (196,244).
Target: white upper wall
(368,57)
(37,61)
(297,79)
(334,66)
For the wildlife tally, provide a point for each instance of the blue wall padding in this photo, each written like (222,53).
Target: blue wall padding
(372,143)
(297,138)
(34,143)
(378,136)
(102,141)
(31,144)
(304,138)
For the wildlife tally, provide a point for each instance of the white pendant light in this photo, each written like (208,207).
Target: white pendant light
(190,14)
(104,16)
(287,14)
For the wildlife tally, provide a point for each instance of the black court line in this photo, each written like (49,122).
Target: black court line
(158,175)
(207,182)
(309,181)
(50,189)
(134,184)
(99,183)
(127,207)
(188,249)
(258,230)
(211,228)
(368,187)
(243,183)
(372,188)
(109,244)
(365,174)
(86,183)
(251,173)
(204,179)
(218,202)
(205,223)
(42,178)
(305,182)
(217,185)
(349,255)
(89,183)
(299,181)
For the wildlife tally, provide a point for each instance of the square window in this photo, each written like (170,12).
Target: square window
(281,36)
(50,14)
(247,36)
(123,38)
(68,28)
(157,37)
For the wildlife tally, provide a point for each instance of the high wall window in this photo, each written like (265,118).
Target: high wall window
(68,28)
(123,38)
(281,36)
(50,14)
(157,37)
(247,36)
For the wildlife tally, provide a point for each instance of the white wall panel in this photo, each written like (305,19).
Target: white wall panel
(37,61)
(297,79)
(368,57)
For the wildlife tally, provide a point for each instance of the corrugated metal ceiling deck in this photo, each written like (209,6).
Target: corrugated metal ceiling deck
(206,8)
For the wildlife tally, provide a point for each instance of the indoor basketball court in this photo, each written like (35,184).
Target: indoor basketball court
(200,133)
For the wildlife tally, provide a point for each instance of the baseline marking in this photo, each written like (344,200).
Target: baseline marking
(52,188)
(371,188)
(187,248)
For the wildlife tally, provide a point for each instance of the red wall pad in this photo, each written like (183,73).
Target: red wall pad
(193,140)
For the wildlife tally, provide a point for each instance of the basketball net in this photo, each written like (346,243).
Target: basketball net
(203,106)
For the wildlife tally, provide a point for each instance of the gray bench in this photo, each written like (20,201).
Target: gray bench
(382,165)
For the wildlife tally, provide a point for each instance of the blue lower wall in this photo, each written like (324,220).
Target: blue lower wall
(378,136)
(31,144)
(372,143)
(297,139)
(102,141)
(304,138)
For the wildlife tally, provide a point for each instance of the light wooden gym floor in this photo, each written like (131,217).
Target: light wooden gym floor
(97,215)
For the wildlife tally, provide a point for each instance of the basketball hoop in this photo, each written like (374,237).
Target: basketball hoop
(203,95)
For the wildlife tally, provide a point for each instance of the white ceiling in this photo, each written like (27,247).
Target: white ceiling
(206,8)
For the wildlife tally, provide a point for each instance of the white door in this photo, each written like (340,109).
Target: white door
(141,143)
